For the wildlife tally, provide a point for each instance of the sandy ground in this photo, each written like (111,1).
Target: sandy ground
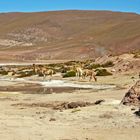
(108,121)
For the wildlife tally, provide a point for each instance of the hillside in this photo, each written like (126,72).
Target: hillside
(67,35)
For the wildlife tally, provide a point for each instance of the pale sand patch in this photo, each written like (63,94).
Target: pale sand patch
(107,121)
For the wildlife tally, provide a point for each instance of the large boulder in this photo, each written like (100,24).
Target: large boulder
(132,97)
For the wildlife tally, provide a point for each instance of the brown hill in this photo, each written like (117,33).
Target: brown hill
(67,34)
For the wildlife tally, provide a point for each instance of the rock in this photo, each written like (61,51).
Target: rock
(98,102)
(71,105)
(137,113)
(52,119)
(76,104)
(132,109)
(132,97)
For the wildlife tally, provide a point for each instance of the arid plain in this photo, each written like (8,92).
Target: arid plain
(33,108)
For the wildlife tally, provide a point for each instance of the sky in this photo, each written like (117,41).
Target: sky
(53,5)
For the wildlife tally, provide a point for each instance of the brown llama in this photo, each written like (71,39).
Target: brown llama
(43,71)
(89,73)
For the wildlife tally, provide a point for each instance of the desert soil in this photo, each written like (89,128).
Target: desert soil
(21,120)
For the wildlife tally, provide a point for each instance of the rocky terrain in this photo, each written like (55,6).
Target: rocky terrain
(67,35)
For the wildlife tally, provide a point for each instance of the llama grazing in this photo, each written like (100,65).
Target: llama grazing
(83,73)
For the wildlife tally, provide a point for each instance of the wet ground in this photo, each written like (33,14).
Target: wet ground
(49,86)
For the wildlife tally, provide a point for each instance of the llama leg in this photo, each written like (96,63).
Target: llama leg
(78,75)
(50,77)
(95,78)
(44,77)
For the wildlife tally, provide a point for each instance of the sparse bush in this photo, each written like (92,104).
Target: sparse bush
(108,64)
(75,110)
(95,66)
(3,72)
(102,72)
(70,63)
(137,55)
(69,74)
(26,74)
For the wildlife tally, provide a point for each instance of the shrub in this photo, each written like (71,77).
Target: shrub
(69,74)
(3,72)
(137,55)
(64,69)
(95,66)
(92,66)
(26,74)
(108,64)
(102,72)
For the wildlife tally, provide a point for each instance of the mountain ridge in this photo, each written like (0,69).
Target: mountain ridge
(71,34)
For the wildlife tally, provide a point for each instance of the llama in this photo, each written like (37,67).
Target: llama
(90,73)
(79,71)
(43,71)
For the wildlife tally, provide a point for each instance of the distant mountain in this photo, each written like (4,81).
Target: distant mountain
(67,34)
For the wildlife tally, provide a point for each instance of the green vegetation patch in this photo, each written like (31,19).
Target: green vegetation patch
(93,66)
(69,74)
(108,64)
(25,74)
(137,55)
(3,72)
(102,72)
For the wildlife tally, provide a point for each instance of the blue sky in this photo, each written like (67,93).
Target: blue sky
(50,5)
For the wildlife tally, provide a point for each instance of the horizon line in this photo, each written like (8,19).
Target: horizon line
(41,11)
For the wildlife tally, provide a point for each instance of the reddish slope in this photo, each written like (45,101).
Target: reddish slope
(68,34)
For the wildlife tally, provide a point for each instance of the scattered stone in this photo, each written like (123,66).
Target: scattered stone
(77,104)
(137,113)
(132,77)
(59,105)
(42,117)
(71,105)
(52,119)
(98,102)
(132,97)
(133,109)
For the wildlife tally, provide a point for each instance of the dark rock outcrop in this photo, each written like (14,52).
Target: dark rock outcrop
(132,97)
(98,102)
(72,105)
(137,113)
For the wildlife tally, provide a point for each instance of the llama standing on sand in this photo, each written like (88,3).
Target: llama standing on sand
(89,73)
(34,68)
(11,74)
(43,71)
(48,72)
(83,73)
(79,71)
